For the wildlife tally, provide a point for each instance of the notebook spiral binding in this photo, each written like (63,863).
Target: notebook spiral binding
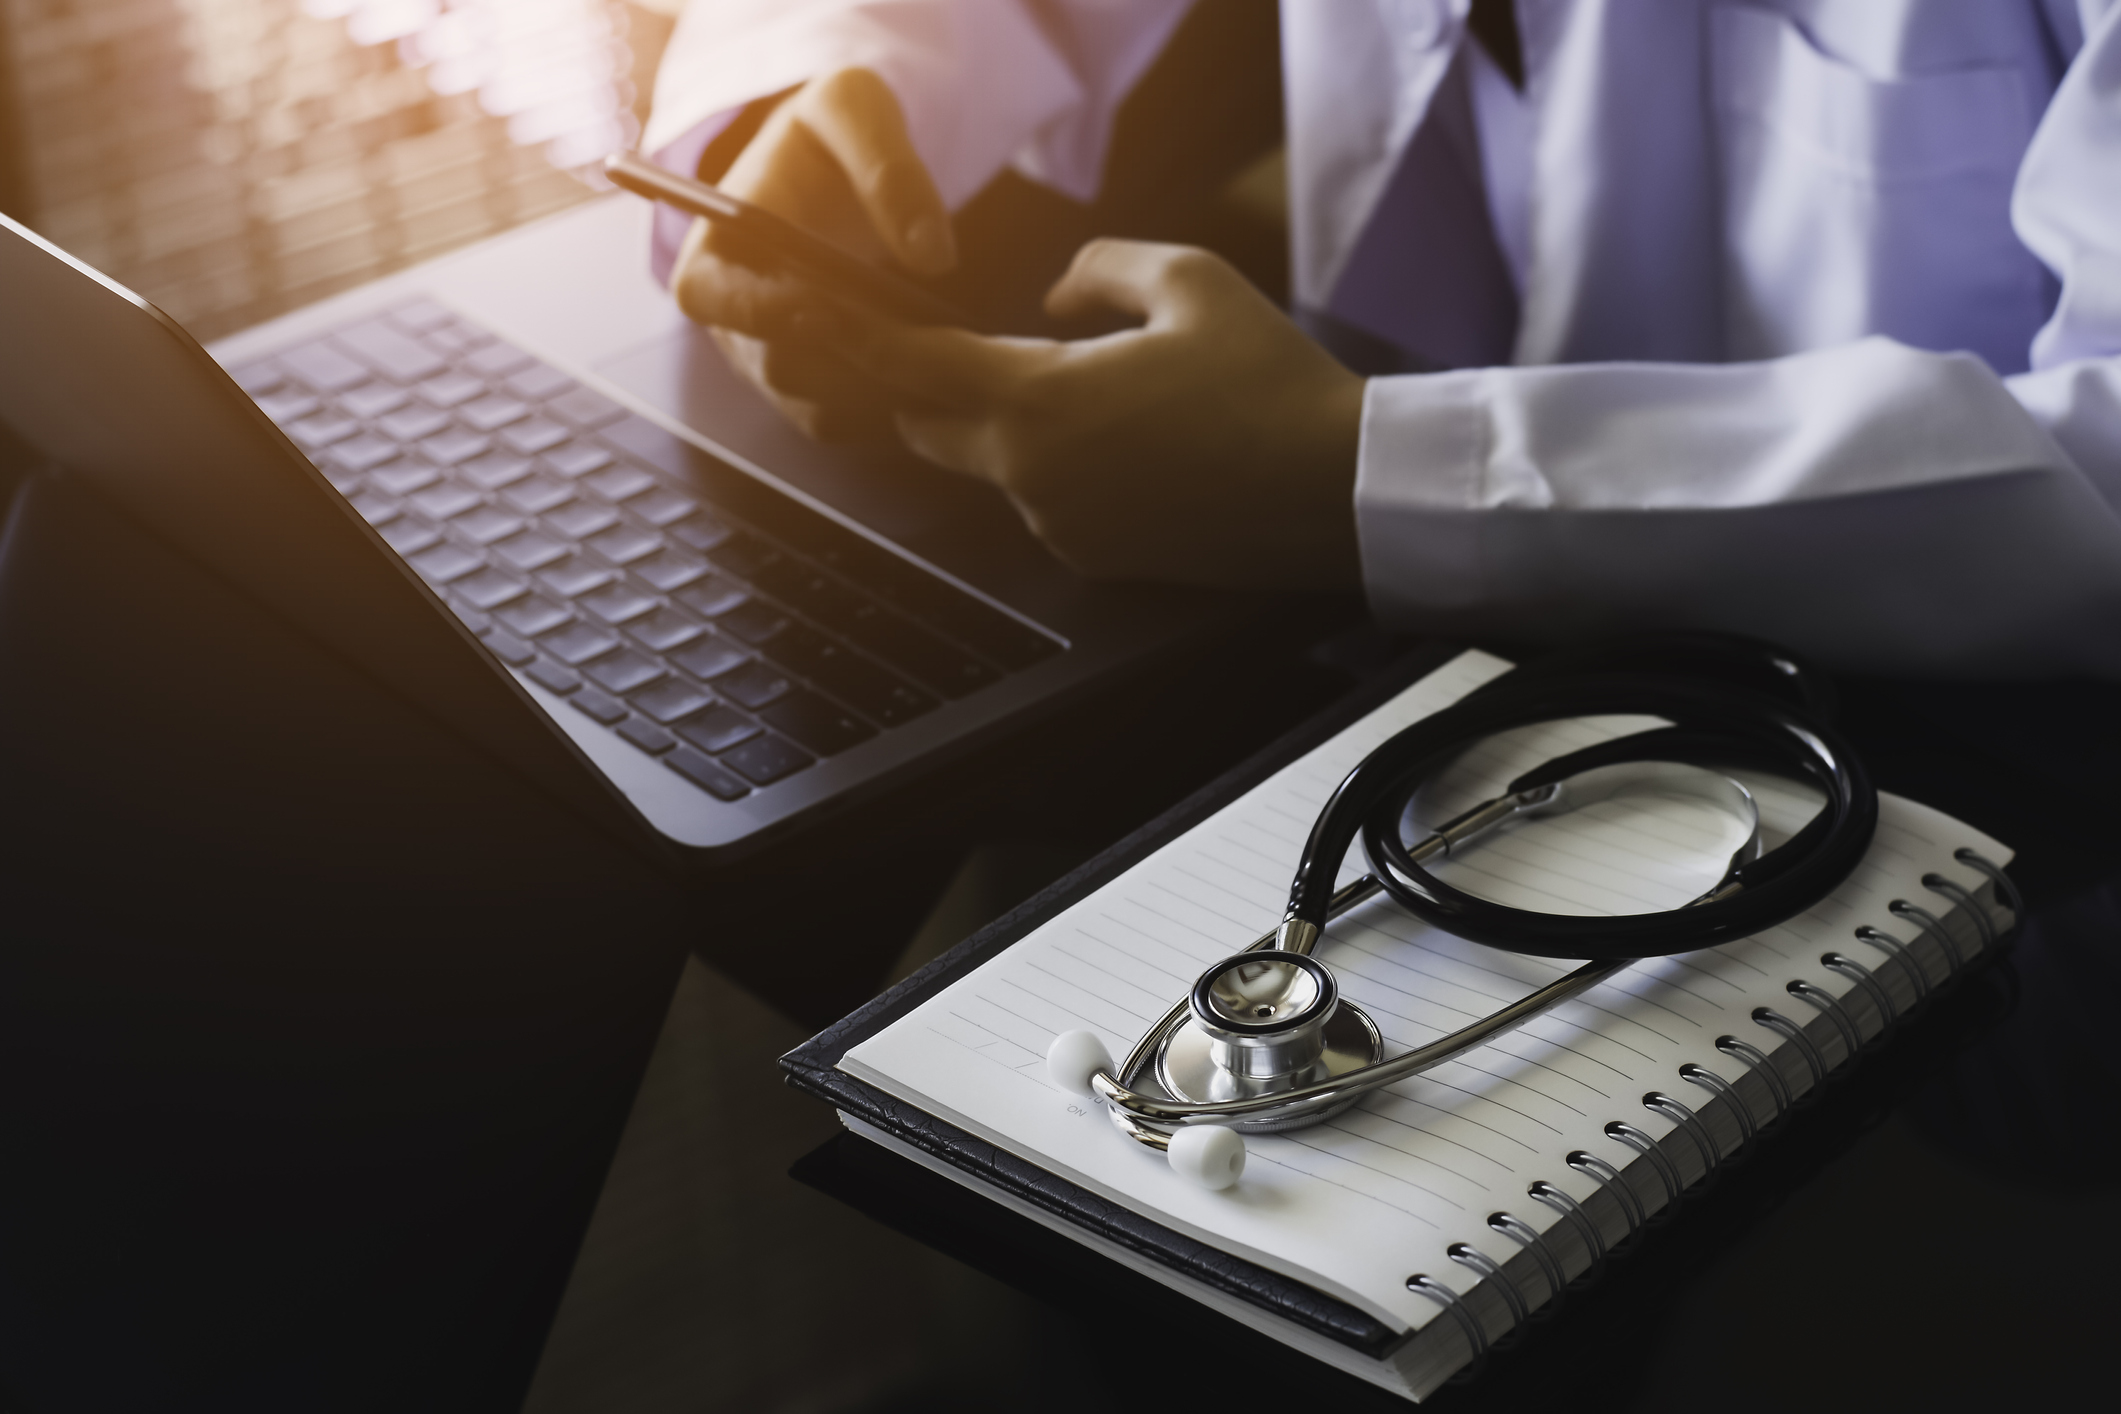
(1709,1080)
(1667,1171)
(1614,1182)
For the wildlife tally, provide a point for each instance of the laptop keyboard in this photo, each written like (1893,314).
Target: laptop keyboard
(708,620)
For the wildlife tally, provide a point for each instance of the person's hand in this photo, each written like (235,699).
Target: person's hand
(1215,444)
(835,159)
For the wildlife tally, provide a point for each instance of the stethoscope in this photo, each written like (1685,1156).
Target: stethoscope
(1265,1042)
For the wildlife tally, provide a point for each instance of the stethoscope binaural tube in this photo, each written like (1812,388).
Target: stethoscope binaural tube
(1728,704)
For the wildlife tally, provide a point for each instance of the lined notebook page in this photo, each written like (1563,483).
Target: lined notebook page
(1355,1205)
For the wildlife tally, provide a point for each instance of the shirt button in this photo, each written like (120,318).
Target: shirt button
(1423,24)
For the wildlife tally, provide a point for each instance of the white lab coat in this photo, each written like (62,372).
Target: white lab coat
(1818,318)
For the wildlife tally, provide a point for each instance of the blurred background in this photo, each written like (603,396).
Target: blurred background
(231,159)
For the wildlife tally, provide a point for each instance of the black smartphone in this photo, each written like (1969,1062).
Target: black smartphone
(763,239)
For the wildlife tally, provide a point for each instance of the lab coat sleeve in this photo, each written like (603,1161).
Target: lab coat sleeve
(984,83)
(1878,507)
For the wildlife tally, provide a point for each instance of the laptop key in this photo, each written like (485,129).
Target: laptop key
(533,616)
(324,368)
(617,482)
(577,458)
(452,339)
(495,470)
(703,773)
(440,564)
(663,630)
(410,424)
(709,657)
(668,569)
(847,675)
(623,544)
(486,524)
(284,407)
(322,429)
(403,476)
(360,453)
(753,685)
(538,493)
(374,508)
(539,383)
(551,676)
(647,736)
(766,759)
(450,389)
(825,727)
(446,500)
(493,412)
(754,621)
(810,591)
(498,360)
(373,400)
(577,643)
(712,595)
(408,536)
(529,550)
(487,589)
(581,519)
(577,574)
(702,531)
(745,555)
(536,435)
(509,649)
(594,704)
(585,408)
(624,670)
(717,728)
(917,653)
(453,445)
(388,352)
(258,378)
(671,699)
(617,602)
(662,505)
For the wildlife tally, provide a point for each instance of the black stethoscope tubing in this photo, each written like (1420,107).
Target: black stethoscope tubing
(1712,724)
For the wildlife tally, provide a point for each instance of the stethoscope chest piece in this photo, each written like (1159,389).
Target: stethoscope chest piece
(1264,1041)
(1263,1023)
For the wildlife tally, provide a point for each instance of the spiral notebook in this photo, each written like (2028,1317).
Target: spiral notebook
(1401,1239)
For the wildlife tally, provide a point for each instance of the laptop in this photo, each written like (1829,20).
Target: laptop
(519,487)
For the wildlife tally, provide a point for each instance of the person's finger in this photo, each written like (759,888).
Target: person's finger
(858,418)
(727,295)
(800,368)
(1144,279)
(858,119)
(960,444)
(952,367)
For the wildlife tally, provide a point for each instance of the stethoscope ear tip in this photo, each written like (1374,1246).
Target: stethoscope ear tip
(1073,1058)
(1209,1154)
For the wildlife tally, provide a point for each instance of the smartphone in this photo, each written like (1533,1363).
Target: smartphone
(763,239)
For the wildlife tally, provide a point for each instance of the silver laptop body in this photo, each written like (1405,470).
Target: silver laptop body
(518,486)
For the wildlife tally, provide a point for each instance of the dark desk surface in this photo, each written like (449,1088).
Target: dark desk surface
(319,1029)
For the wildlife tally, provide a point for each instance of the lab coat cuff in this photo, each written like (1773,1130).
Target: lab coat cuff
(976,80)
(1418,489)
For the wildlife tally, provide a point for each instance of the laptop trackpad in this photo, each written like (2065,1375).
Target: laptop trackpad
(957,523)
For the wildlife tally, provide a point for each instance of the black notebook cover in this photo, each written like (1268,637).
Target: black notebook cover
(813,1066)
